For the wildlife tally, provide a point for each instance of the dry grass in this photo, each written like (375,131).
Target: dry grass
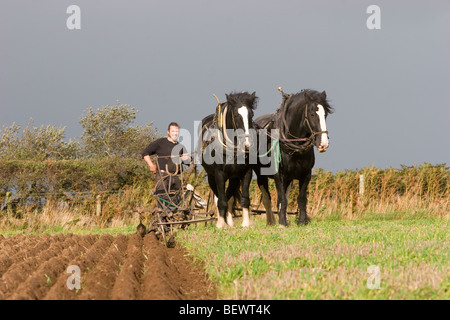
(413,189)
(56,219)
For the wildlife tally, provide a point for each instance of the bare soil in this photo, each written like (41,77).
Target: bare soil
(111,268)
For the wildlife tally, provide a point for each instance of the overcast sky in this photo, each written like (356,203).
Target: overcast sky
(389,86)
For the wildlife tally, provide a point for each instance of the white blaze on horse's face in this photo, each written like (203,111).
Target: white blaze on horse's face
(323,127)
(243,111)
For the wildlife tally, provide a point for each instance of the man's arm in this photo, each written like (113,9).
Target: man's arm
(151,149)
(150,163)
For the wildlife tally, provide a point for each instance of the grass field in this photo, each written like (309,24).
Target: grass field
(377,256)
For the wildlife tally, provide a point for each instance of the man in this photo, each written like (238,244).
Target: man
(166,176)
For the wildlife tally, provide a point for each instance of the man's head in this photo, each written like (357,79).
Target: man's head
(173,131)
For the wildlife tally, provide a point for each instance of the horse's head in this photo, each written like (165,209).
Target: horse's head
(240,113)
(316,112)
(308,110)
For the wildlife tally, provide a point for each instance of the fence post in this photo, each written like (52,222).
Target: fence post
(9,211)
(361,184)
(361,198)
(98,209)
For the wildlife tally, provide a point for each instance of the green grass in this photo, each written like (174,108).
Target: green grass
(328,259)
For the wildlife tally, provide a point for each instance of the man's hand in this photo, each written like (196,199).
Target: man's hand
(185,157)
(152,167)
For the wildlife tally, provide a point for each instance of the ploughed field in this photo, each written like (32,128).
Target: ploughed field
(107,267)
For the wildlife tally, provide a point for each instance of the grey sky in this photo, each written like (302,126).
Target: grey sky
(167,58)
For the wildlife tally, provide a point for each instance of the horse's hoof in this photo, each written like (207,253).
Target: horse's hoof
(284,223)
(247,224)
(220,223)
(230,222)
(303,222)
(223,226)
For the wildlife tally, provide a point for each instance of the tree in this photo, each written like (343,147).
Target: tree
(107,132)
(45,142)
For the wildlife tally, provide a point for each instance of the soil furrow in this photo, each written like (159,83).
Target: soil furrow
(19,272)
(127,284)
(111,268)
(157,284)
(22,249)
(38,284)
(101,278)
(95,249)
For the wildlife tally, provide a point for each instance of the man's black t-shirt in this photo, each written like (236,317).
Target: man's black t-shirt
(163,149)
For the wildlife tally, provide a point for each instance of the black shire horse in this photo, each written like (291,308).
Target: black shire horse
(225,141)
(301,124)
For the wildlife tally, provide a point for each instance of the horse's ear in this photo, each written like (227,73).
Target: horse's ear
(324,95)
